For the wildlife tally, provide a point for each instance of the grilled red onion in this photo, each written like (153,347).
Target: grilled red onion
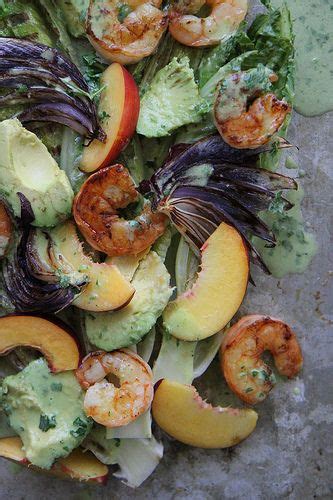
(42,75)
(22,281)
(208,182)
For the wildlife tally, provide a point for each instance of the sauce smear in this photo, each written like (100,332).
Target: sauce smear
(313,29)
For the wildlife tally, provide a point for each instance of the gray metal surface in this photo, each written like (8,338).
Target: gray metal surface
(290,455)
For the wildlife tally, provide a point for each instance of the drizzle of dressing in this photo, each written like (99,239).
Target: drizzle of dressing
(313,28)
(295,246)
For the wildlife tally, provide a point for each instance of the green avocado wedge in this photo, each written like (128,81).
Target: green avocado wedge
(27,167)
(127,326)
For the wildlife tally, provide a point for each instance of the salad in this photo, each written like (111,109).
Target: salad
(139,148)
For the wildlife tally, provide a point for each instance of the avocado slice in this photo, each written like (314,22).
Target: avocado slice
(127,326)
(27,167)
(46,411)
(171,100)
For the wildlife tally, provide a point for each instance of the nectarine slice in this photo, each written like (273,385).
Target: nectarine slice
(118,110)
(218,291)
(107,289)
(78,465)
(58,347)
(179,410)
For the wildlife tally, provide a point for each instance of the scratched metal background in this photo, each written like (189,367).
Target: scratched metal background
(290,455)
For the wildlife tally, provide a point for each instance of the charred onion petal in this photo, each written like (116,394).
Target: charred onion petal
(37,74)
(59,113)
(27,214)
(26,292)
(39,94)
(208,182)
(35,267)
(44,76)
(211,149)
(20,50)
(29,294)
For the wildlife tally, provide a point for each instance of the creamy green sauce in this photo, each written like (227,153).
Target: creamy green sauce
(46,411)
(313,28)
(295,246)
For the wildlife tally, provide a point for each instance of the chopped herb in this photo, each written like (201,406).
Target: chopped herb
(103,115)
(56,386)
(80,422)
(64,280)
(46,422)
(21,89)
(6,408)
(123,11)
(117,442)
(65,448)
(249,389)
(81,428)
(278,204)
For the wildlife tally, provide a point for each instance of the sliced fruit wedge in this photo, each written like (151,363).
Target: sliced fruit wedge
(107,289)
(59,347)
(180,411)
(218,291)
(118,111)
(79,465)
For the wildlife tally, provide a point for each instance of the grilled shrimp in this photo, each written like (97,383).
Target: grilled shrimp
(96,209)
(6,229)
(125,32)
(246,374)
(125,397)
(189,29)
(246,114)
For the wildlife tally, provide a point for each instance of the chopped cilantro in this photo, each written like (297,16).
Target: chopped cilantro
(277,205)
(123,11)
(64,281)
(81,428)
(56,386)
(47,422)
(117,442)
(103,115)
(248,389)
(80,422)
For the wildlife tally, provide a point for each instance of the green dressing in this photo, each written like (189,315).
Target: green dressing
(313,28)
(46,411)
(295,246)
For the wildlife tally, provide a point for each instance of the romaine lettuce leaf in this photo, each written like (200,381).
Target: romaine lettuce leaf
(137,458)
(138,429)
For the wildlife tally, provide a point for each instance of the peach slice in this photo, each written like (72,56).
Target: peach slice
(78,465)
(179,410)
(218,291)
(58,347)
(118,109)
(107,289)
